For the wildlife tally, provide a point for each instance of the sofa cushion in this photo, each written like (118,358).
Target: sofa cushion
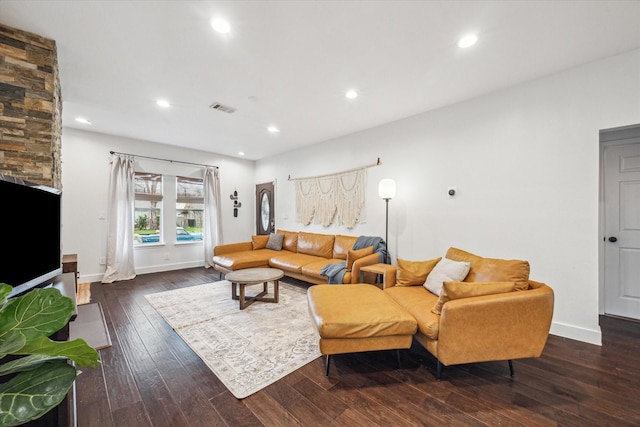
(493,269)
(275,241)
(411,273)
(356,254)
(357,311)
(259,242)
(290,242)
(245,259)
(457,290)
(342,245)
(316,244)
(417,301)
(313,268)
(446,270)
(290,261)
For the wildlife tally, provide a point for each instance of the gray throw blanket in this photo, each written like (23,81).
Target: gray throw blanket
(335,271)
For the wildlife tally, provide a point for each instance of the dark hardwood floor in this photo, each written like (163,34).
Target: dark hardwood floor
(150,377)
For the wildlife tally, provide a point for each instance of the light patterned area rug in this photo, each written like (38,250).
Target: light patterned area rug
(248,349)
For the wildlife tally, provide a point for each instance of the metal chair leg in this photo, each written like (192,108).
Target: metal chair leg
(438,371)
(398,357)
(511,366)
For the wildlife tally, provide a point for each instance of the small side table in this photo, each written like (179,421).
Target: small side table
(70,265)
(379,269)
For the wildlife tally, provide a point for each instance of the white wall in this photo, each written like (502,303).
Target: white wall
(85,182)
(525,162)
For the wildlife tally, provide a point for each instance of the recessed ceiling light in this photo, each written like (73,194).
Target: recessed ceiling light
(220,25)
(163,103)
(351,94)
(240,153)
(467,41)
(273,129)
(83,120)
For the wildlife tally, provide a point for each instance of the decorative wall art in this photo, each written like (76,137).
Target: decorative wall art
(337,198)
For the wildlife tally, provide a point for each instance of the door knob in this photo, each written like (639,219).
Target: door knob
(613,239)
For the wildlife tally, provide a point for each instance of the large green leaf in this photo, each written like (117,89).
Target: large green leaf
(5,290)
(40,312)
(26,363)
(77,350)
(10,342)
(31,394)
(43,376)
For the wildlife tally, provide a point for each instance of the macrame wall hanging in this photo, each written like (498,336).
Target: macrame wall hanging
(333,198)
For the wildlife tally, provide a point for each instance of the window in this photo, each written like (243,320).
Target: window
(148,208)
(189,209)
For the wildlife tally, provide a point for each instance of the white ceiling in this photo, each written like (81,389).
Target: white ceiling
(289,63)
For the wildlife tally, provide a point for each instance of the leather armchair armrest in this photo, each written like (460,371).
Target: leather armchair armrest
(367,260)
(495,327)
(232,247)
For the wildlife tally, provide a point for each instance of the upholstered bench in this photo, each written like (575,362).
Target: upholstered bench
(358,317)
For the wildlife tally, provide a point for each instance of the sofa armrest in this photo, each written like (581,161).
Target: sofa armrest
(232,247)
(495,327)
(357,264)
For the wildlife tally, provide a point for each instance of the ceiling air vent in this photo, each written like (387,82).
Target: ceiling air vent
(221,107)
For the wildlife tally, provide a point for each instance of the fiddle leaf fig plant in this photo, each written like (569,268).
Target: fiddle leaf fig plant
(35,373)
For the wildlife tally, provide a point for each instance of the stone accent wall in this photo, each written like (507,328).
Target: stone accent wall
(30,108)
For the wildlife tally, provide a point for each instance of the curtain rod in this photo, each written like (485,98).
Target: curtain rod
(378,163)
(163,160)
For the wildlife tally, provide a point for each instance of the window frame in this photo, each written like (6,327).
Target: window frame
(189,199)
(157,196)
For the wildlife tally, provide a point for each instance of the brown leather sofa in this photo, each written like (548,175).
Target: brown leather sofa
(503,326)
(303,255)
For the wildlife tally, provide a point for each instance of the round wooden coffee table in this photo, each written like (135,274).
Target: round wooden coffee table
(253,276)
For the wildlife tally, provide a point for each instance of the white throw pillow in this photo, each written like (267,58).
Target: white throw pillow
(446,271)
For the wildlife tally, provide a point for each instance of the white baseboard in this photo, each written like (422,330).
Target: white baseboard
(590,336)
(169,267)
(90,278)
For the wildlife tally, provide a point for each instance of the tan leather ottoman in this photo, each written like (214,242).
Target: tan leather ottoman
(358,317)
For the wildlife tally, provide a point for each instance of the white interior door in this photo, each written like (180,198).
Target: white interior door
(622,230)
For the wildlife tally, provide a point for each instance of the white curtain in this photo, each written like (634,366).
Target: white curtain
(212,215)
(120,211)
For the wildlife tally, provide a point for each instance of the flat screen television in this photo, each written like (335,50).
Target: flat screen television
(31,248)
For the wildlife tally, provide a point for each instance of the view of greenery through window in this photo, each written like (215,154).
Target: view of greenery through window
(189,208)
(149,200)
(148,207)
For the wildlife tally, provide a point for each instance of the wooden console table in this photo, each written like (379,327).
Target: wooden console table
(70,265)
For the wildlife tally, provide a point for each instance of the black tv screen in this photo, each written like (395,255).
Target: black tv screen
(31,249)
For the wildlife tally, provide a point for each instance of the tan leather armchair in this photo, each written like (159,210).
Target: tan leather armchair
(503,326)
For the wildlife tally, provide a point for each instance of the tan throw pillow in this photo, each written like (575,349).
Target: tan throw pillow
(354,255)
(446,271)
(290,242)
(457,290)
(493,269)
(259,242)
(412,273)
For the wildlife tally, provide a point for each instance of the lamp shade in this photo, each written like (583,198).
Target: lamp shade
(387,188)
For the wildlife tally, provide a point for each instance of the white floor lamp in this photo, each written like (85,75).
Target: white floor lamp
(387,191)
